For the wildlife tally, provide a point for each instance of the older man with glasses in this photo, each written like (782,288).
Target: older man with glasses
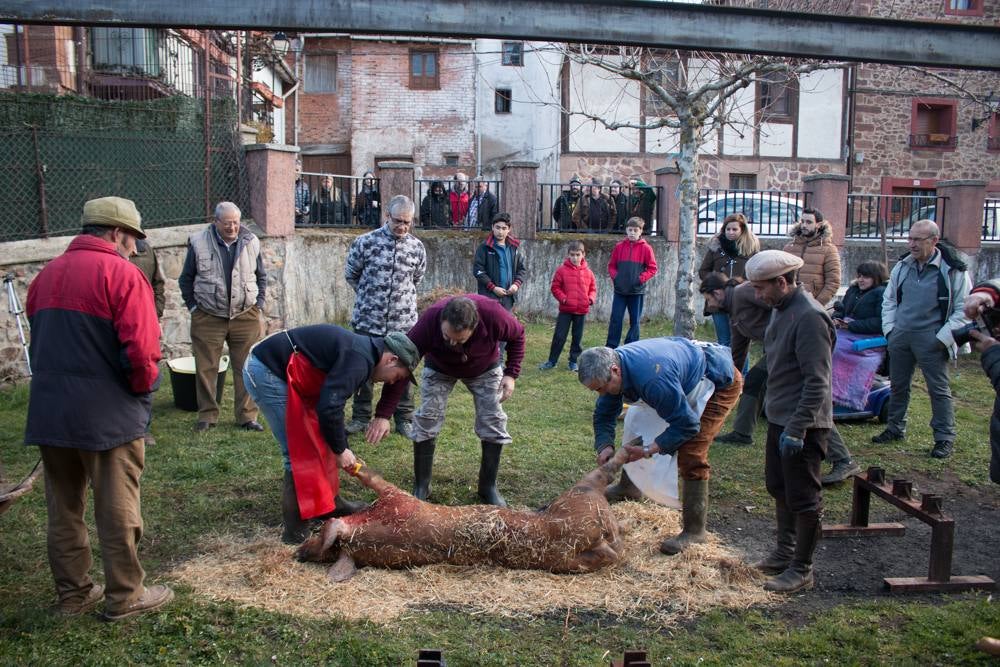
(922,305)
(384,267)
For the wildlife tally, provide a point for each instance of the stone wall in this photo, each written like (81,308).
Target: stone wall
(306,277)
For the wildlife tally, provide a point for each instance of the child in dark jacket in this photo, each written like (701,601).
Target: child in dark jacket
(632,265)
(575,288)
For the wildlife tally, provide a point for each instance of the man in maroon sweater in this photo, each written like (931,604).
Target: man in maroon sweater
(459,339)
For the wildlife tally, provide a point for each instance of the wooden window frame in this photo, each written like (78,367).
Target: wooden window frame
(976,9)
(319,54)
(765,111)
(993,133)
(500,96)
(509,62)
(422,81)
(952,131)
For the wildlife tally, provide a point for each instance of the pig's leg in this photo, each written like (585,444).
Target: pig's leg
(599,478)
(590,560)
(373,480)
(343,569)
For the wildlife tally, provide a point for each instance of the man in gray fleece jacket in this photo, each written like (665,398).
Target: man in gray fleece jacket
(798,344)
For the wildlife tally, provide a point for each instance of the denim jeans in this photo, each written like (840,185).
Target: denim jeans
(725,336)
(619,304)
(270,393)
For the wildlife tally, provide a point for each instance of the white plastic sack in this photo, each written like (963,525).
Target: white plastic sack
(656,477)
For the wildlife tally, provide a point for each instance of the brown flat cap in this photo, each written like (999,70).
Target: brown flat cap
(113,212)
(768,264)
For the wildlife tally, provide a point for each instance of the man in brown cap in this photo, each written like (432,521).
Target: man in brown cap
(89,405)
(798,344)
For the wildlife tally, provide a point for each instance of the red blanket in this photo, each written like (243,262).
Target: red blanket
(314,465)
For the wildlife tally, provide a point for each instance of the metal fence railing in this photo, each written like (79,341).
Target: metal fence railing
(56,152)
(333,200)
(768,213)
(560,210)
(869,215)
(991,211)
(443,211)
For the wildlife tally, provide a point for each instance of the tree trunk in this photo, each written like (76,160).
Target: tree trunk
(687,163)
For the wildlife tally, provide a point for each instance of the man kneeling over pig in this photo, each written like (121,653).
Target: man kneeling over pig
(302,378)
(664,373)
(575,533)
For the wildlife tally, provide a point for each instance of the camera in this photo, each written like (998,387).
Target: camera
(984,324)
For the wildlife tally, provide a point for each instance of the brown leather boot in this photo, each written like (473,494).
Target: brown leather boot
(799,574)
(779,559)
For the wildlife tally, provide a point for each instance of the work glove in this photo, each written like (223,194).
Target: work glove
(789,446)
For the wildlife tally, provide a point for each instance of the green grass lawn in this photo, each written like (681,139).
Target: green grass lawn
(228,482)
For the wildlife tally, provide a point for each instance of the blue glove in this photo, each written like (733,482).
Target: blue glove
(789,446)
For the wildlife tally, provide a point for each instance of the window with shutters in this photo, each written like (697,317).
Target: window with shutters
(320,73)
(933,124)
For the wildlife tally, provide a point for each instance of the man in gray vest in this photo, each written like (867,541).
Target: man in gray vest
(223,283)
(922,305)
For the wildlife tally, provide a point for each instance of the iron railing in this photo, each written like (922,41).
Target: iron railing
(439,213)
(558,202)
(869,215)
(333,200)
(991,211)
(768,213)
(933,140)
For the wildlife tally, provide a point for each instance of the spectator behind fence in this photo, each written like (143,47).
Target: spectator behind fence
(596,210)
(575,288)
(367,202)
(303,196)
(435,210)
(145,258)
(499,264)
(223,284)
(329,205)
(642,200)
(922,305)
(727,253)
(482,205)
(812,240)
(459,199)
(384,268)
(89,405)
(562,210)
(632,265)
(620,200)
(860,311)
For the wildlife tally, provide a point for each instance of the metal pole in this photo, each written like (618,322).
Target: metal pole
(208,128)
(43,207)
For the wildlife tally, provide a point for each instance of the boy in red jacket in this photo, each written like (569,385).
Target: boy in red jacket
(632,265)
(575,288)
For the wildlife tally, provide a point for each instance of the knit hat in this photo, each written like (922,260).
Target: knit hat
(768,264)
(596,181)
(574,180)
(403,347)
(113,212)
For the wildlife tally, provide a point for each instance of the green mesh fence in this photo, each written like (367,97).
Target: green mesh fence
(56,152)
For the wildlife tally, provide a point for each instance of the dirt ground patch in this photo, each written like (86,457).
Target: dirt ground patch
(852,569)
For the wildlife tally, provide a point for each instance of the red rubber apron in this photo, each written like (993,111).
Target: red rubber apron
(314,465)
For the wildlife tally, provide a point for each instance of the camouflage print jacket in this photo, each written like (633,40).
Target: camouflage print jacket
(384,272)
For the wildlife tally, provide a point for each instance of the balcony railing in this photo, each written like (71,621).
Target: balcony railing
(933,140)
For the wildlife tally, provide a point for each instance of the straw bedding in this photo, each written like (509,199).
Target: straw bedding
(262,572)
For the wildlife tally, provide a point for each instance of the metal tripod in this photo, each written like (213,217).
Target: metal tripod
(15,309)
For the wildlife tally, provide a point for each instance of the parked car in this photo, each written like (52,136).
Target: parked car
(769,213)
(990,231)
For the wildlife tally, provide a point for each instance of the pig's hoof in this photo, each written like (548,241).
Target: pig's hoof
(342,570)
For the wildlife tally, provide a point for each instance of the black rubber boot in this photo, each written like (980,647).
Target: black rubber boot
(694,510)
(623,490)
(799,575)
(342,507)
(423,463)
(296,529)
(489,465)
(779,559)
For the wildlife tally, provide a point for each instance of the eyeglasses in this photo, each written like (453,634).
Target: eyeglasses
(912,239)
(397,221)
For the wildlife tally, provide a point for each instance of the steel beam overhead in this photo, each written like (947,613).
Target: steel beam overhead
(630,22)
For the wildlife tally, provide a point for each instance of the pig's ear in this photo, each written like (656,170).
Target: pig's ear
(342,570)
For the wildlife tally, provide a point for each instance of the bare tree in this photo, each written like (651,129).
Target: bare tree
(695,94)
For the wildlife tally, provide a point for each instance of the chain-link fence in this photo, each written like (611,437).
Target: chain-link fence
(176,157)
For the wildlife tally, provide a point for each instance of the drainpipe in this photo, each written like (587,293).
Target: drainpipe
(475,109)
(850,100)
(298,78)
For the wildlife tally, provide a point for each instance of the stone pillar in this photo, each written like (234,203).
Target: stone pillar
(271,176)
(520,197)
(396,178)
(963,214)
(828,194)
(668,206)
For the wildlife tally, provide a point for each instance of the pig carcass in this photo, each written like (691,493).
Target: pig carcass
(575,533)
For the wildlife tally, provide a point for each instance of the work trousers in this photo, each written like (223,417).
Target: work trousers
(692,457)
(619,304)
(208,334)
(113,474)
(435,388)
(795,479)
(563,324)
(365,396)
(907,350)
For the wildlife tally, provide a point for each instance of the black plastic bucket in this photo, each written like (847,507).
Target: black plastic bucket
(182,376)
